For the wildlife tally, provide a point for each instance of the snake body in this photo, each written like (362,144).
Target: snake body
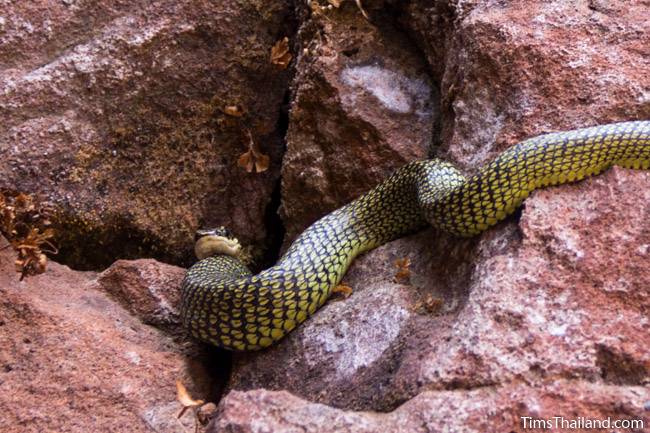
(223,303)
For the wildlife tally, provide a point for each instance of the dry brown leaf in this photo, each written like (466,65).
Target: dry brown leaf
(205,413)
(429,305)
(31,260)
(343,289)
(24,202)
(335,3)
(234,110)
(245,161)
(280,54)
(7,218)
(185,399)
(403,274)
(253,158)
(201,417)
(432,305)
(262,162)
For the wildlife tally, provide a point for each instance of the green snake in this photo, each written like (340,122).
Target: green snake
(223,303)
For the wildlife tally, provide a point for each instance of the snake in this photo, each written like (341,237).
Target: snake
(223,303)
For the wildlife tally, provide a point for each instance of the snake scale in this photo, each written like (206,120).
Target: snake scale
(223,303)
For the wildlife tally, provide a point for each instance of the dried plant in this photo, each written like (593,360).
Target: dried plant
(25,223)
(403,274)
(202,411)
(280,54)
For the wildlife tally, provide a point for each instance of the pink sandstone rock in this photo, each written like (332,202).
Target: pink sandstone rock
(148,289)
(489,409)
(362,106)
(562,295)
(515,69)
(114,112)
(72,359)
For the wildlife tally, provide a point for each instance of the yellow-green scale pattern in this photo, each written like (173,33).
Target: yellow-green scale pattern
(224,304)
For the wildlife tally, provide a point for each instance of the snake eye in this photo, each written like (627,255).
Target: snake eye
(222,231)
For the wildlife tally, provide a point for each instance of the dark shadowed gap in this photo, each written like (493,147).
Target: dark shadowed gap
(118,239)
(218,364)
(275,229)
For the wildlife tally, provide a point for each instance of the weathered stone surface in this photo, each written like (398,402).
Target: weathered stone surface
(72,359)
(511,70)
(567,300)
(507,307)
(362,106)
(564,295)
(148,289)
(492,409)
(114,112)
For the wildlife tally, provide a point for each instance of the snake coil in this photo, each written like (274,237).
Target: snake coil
(224,304)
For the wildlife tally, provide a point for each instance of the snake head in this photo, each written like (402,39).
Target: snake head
(219,240)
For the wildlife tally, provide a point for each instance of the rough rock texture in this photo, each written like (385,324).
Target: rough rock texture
(72,359)
(510,70)
(469,411)
(148,289)
(564,295)
(504,72)
(113,110)
(363,105)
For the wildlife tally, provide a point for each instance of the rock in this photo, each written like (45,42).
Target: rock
(72,359)
(363,105)
(562,295)
(473,411)
(519,69)
(148,289)
(115,113)
(567,300)
(544,315)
